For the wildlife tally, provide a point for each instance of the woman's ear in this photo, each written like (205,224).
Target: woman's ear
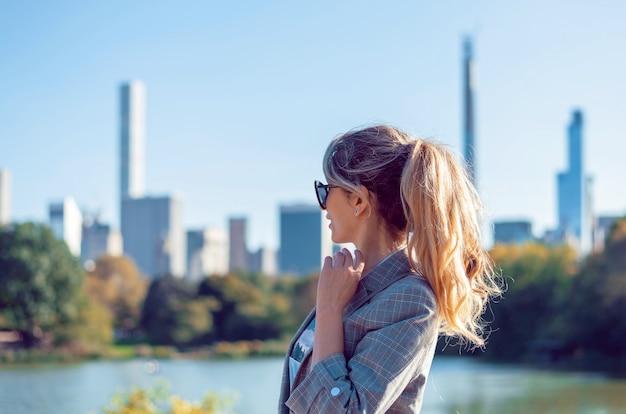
(361,201)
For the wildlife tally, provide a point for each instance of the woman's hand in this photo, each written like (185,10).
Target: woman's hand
(339,278)
(338,281)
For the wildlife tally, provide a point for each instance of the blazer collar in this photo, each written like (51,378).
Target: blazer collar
(394,267)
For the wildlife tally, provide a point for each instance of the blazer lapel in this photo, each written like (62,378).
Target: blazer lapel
(389,271)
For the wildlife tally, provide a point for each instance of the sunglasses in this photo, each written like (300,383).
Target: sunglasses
(322,190)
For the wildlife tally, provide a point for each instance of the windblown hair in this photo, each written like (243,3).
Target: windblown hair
(424,194)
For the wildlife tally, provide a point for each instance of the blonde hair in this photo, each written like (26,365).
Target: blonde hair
(424,194)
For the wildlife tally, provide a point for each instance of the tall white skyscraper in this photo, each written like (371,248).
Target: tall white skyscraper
(132,139)
(66,221)
(238,250)
(5,197)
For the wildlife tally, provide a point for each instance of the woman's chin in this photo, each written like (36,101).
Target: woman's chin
(337,240)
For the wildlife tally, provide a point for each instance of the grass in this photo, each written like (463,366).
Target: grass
(219,350)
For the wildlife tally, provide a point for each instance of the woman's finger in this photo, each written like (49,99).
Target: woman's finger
(328,262)
(340,259)
(359,261)
(348,257)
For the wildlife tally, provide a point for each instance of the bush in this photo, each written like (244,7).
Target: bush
(158,401)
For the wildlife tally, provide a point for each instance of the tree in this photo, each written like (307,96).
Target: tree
(172,314)
(595,310)
(41,280)
(116,283)
(245,312)
(92,333)
(530,310)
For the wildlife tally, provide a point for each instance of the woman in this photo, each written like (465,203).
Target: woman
(418,270)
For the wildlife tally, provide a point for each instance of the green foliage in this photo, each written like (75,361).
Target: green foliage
(596,303)
(303,292)
(234,307)
(172,314)
(245,349)
(562,309)
(245,312)
(46,294)
(91,333)
(538,277)
(41,280)
(116,284)
(158,401)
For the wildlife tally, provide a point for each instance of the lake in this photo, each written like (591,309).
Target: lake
(456,385)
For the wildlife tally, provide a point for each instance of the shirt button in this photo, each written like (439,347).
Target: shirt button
(335,391)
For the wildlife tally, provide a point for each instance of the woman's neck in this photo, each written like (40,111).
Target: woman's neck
(376,248)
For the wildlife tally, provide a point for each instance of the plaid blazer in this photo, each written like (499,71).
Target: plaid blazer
(390,333)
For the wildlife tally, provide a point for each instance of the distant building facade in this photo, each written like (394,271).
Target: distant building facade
(305,239)
(574,192)
(603,225)
(238,247)
(513,232)
(5,197)
(153,235)
(99,239)
(263,261)
(66,221)
(207,253)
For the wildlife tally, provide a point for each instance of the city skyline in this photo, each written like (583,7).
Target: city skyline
(241,103)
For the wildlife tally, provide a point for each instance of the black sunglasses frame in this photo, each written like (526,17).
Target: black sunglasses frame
(322,196)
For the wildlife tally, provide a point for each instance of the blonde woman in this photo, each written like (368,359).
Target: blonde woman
(419,270)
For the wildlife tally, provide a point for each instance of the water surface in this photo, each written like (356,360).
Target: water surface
(456,385)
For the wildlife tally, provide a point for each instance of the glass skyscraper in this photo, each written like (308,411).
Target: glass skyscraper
(574,192)
(304,239)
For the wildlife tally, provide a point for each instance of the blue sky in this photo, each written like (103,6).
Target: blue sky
(244,96)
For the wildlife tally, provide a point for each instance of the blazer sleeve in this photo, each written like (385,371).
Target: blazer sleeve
(394,337)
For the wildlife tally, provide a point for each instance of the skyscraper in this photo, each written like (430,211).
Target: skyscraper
(304,239)
(238,249)
(574,191)
(152,229)
(469,83)
(132,139)
(154,236)
(5,197)
(66,221)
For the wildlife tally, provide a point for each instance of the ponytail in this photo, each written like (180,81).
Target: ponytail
(443,214)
